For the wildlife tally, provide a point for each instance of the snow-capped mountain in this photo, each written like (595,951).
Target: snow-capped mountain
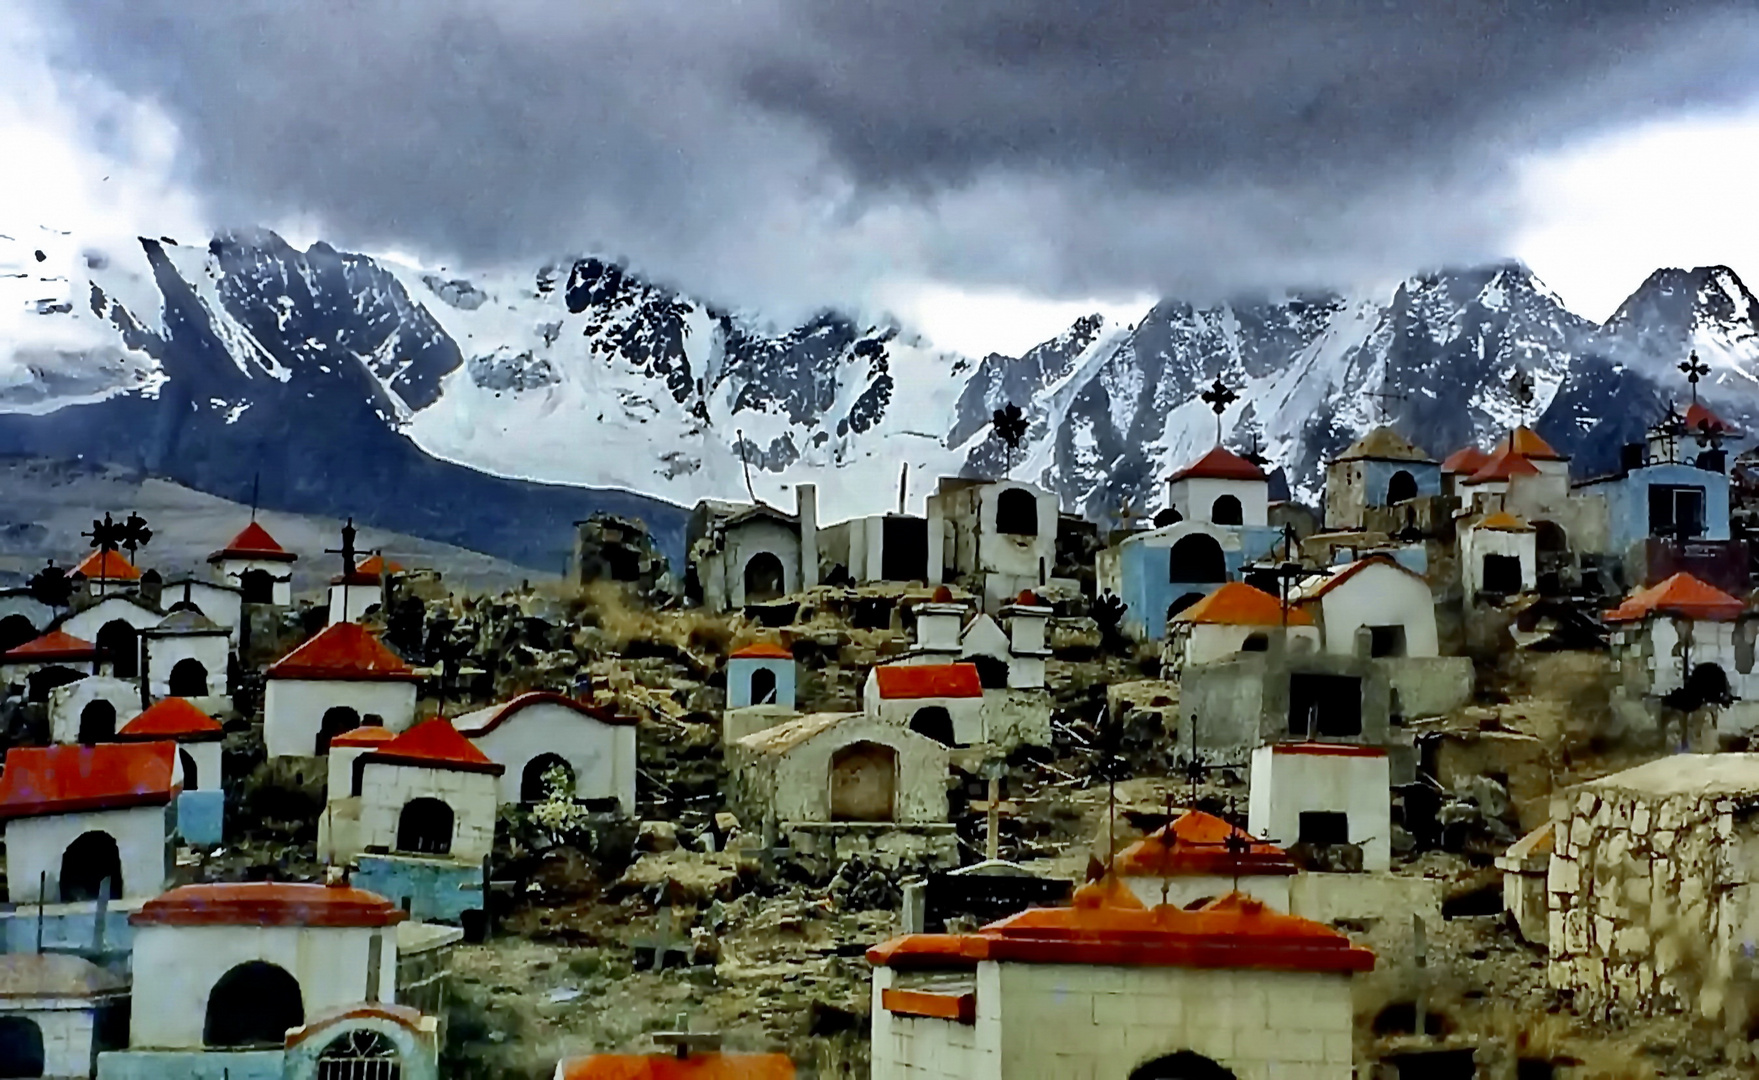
(491,409)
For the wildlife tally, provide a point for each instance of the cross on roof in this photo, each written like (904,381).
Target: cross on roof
(1219,396)
(1254,454)
(1383,397)
(1521,389)
(347,550)
(1694,369)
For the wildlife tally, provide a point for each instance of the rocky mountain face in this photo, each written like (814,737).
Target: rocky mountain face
(492,410)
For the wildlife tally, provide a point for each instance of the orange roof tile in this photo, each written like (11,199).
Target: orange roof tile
(482,721)
(1682,595)
(903,681)
(1100,929)
(268,903)
(1503,465)
(1466,460)
(172,718)
(715,1066)
(374,565)
(761,650)
(1503,521)
(1699,417)
(434,744)
(253,542)
(42,780)
(55,645)
(109,565)
(342,650)
(1196,843)
(368,735)
(1219,464)
(1527,443)
(1239,604)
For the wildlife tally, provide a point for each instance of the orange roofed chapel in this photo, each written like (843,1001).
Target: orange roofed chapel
(341,678)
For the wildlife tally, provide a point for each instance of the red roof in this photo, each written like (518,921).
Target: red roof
(761,650)
(41,780)
(1327,749)
(368,735)
(716,1066)
(1313,591)
(898,681)
(483,721)
(1505,464)
(368,571)
(1107,926)
(1196,843)
(1219,464)
(267,903)
(1239,604)
(109,565)
(55,645)
(1467,460)
(1682,595)
(342,650)
(1527,443)
(253,542)
(1699,417)
(435,744)
(172,718)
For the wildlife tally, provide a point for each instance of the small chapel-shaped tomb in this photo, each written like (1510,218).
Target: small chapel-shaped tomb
(538,736)
(201,803)
(341,678)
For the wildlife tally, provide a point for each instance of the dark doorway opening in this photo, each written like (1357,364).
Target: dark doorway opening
(1226,510)
(1197,560)
(1386,641)
(992,673)
(1402,487)
(425,827)
(1502,575)
(338,720)
(97,722)
(1017,512)
(1323,828)
(1325,705)
(120,644)
(92,863)
(1549,538)
(764,580)
(21,1047)
(188,678)
(38,683)
(258,586)
(864,782)
(904,549)
(935,722)
(191,775)
(763,686)
(534,783)
(1182,603)
(1184,1065)
(16,630)
(254,1004)
(1256,643)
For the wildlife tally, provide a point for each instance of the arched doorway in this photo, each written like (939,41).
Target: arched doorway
(120,644)
(188,678)
(97,722)
(1258,642)
(864,782)
(191,775)
(1183,1065)
(16,630)
(764,579)
(39,682)
(1197,560)
(361,1054)
(88,863)
(1549,538)
(1402,487)
(1166,517)
(763,686)
(534,781)
(254,1004)
(338,719)
(258,587)
(425,827)
(1017,512)
(1226,510)
(935,722)
(21,1047)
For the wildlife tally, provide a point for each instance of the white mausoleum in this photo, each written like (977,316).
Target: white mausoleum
(258,567)
(1323,794)
(942,701)
(334,683)
(537,732)
(428,792)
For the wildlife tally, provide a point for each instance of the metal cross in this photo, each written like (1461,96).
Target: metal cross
(1521,389)
(1254,454)
(347,550)
(1383,396)
(1694,369)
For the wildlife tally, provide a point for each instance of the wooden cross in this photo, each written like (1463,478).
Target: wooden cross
(1128,515)
(1695,369)
(686,1042)
(993,809)
(663,943)
(1383,396)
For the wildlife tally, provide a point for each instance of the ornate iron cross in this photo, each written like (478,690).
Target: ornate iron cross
(1694,369)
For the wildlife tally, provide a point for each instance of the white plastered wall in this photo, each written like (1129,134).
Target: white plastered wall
(34,846)
(222,607)
(1477,543)
(86,624)
(207,756)
(1380,595)
(1205,643)
(353,606)
(968,714)
(1194,498)
(67,702)
(601,755)
(232,571)
(211,651)
(1284,785)
(293,709)
(387,787)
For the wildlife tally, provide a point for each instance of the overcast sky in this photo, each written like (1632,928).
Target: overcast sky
(986,168)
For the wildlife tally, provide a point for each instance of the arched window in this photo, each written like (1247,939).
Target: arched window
(864,781)
(763,686)
(39,682)
(258,586)
(21,1047)
(1549,538)
(935,722)
(534,781)
(1183,1065)
(191,775)
(361,1054)
(764,578)
(97,722)
(254,1004)
(1166,517)
(1401,487)
(1197,560)
(16,630)
(337,720)
(1226,510)
(120,644)
(1256,643)
(189,678)
(92,862)
(425,827)
(1017,512)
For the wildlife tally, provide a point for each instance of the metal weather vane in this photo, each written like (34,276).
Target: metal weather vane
(135,534)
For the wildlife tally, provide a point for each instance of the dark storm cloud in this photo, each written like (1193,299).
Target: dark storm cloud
(795,151)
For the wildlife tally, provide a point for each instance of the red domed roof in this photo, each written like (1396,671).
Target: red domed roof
(1219,464)
(253,542)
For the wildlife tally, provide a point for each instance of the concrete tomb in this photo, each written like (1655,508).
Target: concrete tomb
(331,684)
(258,567)
(536,733)
(201,799)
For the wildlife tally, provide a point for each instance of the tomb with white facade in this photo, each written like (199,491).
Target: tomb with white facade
(342,677)
(534,735)
(258,567)
(201,799)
